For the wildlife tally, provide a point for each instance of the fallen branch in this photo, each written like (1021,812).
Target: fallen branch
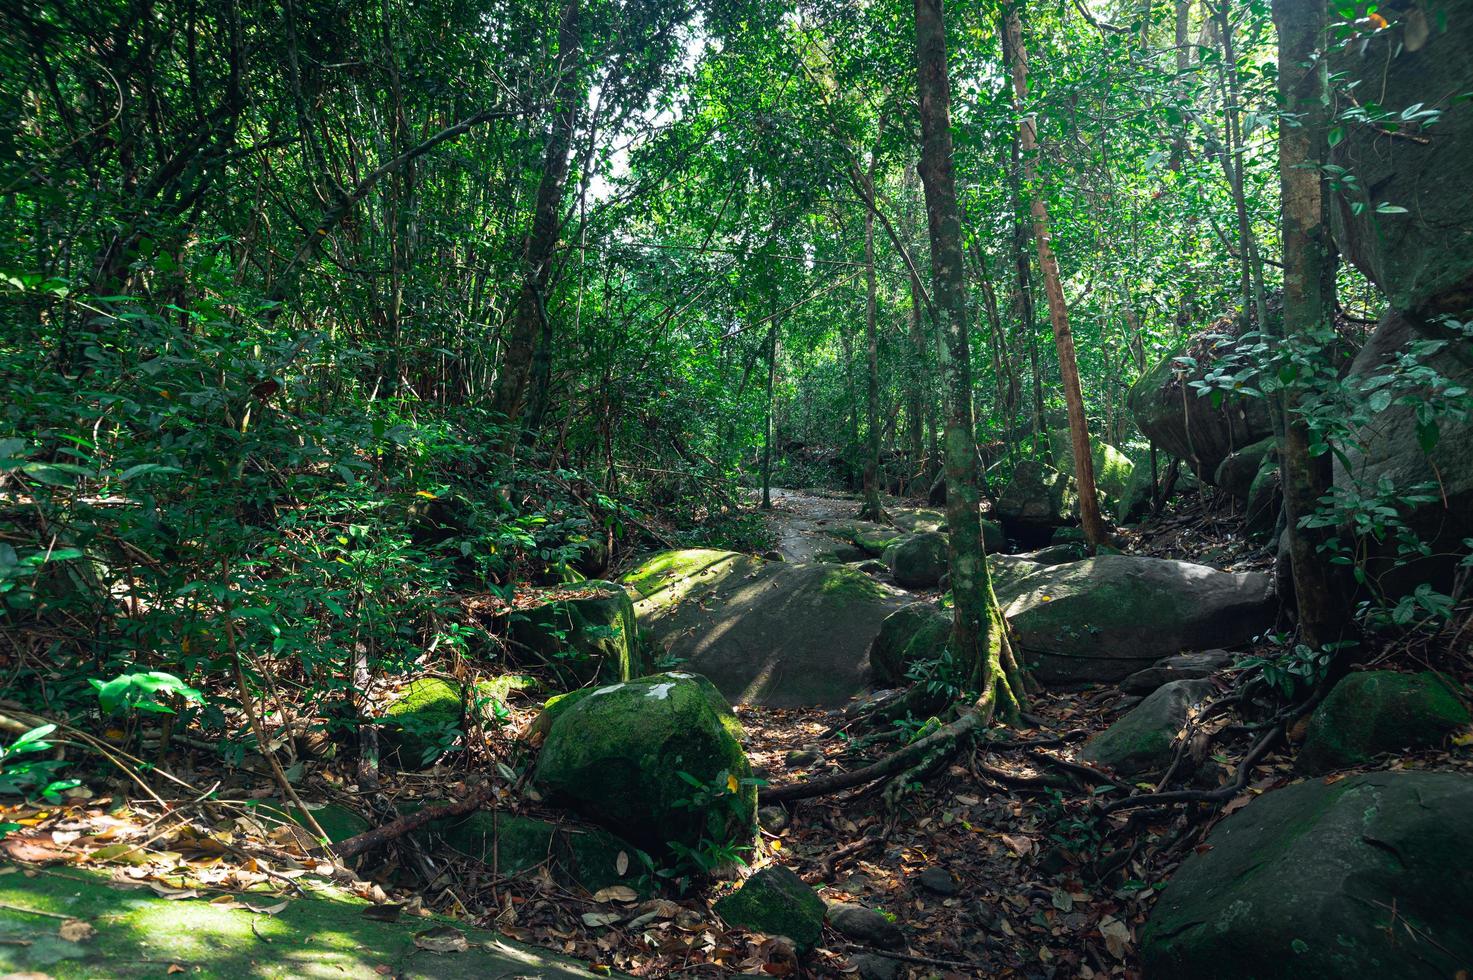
(1220,795)
(379,836)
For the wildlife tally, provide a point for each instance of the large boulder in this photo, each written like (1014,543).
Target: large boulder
(1371,876)
(584,632)
(1201,431)
(1144,740)
(1037,499)
(1112,467)
(1106,617)
(919,561)
(1400,155)
(1393,453)
(1236,473)
(910,635)
(775,633)
(1378,711)
(619,755)
(1177,667)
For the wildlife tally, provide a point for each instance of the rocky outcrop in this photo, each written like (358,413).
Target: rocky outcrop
(1145,739)
(918,562)
(1106,617)
(1378,711)
(910,635)
(619,754)
(1406,220)
(1170,412)
(1037,499)
(1112,468)
(1365,877)
(1237,473)
(774,633)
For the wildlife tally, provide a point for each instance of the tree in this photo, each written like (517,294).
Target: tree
(1309,303)
(979,632)
(1084,472)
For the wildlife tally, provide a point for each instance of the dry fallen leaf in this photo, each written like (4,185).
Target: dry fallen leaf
(442,939)
(596,919)
(616,893)
(76,931)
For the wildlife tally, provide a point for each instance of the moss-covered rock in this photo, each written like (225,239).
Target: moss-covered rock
(318,933)
(919,561)
(1106,617)
(1265,500)
(591,635)
(1144,740)
(1037,499)
(336,820)
(1112,468)
(615,754)
(841,554)
(1365,877)
(1235,474)
(910,635)
(585,857)
(1378,711)
(775,901)
(421,722)
(873,539)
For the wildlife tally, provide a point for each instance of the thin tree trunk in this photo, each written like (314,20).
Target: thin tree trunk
(1183,63)
(979,633)
(1254,297)
(767,433)
(873,508)
(1309,303)
(1084,474)
(527,320)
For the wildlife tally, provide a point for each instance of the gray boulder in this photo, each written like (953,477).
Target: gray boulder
(1236,473)
(1104,618)
(918,562)
(1370,876)
(908,636)
(775,901)
(1179,667)
(1144,739)
(1037,499)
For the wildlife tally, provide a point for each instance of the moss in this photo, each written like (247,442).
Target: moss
(418,719)
(1112,468)
(319,934)
(775,901)
(912,634)
(669,575)
(586,637)
(1378,711)
(582,856)
(849,583)
(337,821)
(874,540)
(615,753)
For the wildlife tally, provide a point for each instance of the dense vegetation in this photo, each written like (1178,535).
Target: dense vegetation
(337,337)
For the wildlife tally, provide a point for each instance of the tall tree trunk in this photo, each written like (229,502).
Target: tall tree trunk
(767,430)
(1023,265)
(979,633)
(1084,473)
(1255,301)
(1309,303)
(873,508)
(1183,62)
(530,313)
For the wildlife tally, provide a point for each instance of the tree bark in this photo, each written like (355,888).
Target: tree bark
(873,508)
(527,320)
(1309,303)
(1084,474)
(767,430)
(979,633)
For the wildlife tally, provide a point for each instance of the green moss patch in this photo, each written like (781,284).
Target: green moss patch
(1378,711)
(775,901)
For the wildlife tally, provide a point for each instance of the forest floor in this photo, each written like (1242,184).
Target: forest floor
(993,867)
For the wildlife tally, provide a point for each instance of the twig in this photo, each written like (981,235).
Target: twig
(973,968)
(368,840)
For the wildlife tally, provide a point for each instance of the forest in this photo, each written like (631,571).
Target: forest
(690,488)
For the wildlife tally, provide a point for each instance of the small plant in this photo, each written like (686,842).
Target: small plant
(31,776)
(140,692)
(721,801)
(1296,671)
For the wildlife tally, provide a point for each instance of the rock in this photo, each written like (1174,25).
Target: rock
(582,856)
(1422,259)
(919,561)
(873,966)
(873,539)
(842,554)
(1178,667)
(865,926)
(775,901)
(1106,617)
(910,635)
(1037,499)
(773,556)
(1144,740)
(1307,881)
(1170,413)
(615,754)
(1389,450)
(1066,535)
(592,636)
(871,566)
(336,820)
(938,881)
(1135,502)
(1058,554)
(1378,711)
(1112,467)
(421,722)
(1006,570)
(917,520)
(802,758)
(778,634)
(772,819)
(1235,474)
